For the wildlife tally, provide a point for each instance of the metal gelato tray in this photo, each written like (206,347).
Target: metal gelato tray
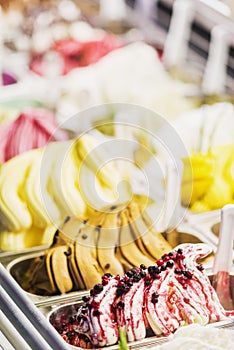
(6,256)
(199,230)
(17,266)
(64,312)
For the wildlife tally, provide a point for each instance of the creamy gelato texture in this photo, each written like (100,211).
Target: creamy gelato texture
(161,298)
(42,186)
(206,127)
(81,252)
(197,337)
(132,74)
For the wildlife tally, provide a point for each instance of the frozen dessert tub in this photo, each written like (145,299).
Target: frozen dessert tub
(64,313)
(18,266)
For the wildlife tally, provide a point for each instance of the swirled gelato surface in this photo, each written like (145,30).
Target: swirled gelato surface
(157,299)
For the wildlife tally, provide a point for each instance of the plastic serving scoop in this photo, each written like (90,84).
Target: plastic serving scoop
(223,257)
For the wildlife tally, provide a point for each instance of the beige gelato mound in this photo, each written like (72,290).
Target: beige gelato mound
(111,241)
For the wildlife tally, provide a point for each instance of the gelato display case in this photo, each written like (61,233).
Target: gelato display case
(116,174)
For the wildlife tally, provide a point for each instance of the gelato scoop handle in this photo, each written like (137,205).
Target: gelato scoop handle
(223,257)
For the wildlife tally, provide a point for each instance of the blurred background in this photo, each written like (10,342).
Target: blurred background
(194,39)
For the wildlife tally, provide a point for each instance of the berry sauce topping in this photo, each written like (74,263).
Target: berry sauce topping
(160,262)
(200,267)
(157,299)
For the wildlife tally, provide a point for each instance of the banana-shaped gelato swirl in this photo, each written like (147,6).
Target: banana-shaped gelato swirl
(109,242)
(39,188)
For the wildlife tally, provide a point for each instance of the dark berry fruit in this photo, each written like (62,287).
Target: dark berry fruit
(85,299)
(98,288)
(188,274)
(79,318)
(200,267)
(130,273)
(143,267)
(72,319)
(96,313)
(142,274)
(120,304)
(154,298)
(147,282)
(170,263)
(108,275)
(136,277)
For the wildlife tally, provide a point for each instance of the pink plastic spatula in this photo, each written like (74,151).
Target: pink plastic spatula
(224,257)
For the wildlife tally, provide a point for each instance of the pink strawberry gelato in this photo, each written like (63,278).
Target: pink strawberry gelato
(32,129)
(74,53)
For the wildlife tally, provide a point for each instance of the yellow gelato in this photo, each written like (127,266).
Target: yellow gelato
(212,179)
(39,188)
